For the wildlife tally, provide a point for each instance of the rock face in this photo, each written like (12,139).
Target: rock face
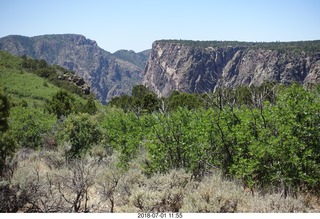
(106,74)
(183,67)
(186,66)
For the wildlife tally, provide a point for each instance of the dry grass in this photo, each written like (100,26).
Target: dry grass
(46,182)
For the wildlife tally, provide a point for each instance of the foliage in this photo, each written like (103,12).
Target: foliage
(274,145)
(61,104)
(4,112)
(50,73)
(190,101)
(26,86)
(312,46)
(7,143)
(178,141)
(90,107)
(124,102)
(7,149)
(83,132)
(265,136)
(33,67)
(124,133)
(142,100)
(29,126)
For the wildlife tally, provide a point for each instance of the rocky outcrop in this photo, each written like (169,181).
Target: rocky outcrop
(182,67)
(106,74)
(76,80)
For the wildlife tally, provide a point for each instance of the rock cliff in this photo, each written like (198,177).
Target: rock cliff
(106,74)
(190,66)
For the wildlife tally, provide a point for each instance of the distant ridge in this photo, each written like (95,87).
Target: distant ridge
(108,75)
(182,65)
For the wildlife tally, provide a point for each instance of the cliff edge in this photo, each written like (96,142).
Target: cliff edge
(203,66)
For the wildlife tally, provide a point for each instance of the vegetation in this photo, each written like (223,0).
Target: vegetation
(82,131)
(248,149)
(51,74)
(142,100)
(7,144)
(297,47)
(61,104)
(247,133)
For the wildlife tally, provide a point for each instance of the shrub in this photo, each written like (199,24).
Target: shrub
(61,104)
(7,143)
(29,125)
(180,140)
(83,132)
(124,133)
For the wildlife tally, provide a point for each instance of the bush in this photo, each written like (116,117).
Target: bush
(7,149)
(276,146)
(29,125)
(4,112)
(124,133)
(7,143)
(90,107)
(180,140)
(45,182)
(61,104)
(83,132)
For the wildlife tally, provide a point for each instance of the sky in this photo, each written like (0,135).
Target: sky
(136,24)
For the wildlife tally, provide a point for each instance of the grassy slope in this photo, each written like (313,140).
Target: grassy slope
(20,84)
(26,86)
(23,85)
(28,94)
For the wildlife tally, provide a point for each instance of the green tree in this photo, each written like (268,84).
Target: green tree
(82,131)
(124,131)
(139,91)
(4,112)
(7,143)
(190,101)
(143,100)
(90,107)
(277,145)
(61,104)
(150,102)
(29,125)
(180,140)
(124,102)
(7,149)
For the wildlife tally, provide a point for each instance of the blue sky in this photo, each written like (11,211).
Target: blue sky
(135,24)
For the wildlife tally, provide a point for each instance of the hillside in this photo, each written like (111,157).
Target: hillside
(107,74)
(237,150)
(31,87)
(21,84)
(203,66)
(21,73)
(32,83)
